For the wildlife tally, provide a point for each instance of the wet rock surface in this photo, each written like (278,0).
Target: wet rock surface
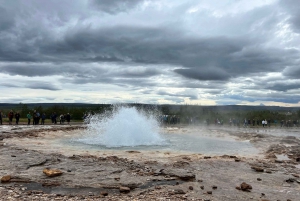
(138,175)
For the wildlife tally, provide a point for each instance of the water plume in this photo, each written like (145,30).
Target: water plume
(123,126)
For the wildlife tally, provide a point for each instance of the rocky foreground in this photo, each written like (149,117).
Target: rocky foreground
(30,174)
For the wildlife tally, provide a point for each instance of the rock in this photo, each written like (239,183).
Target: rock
(207,157)
(5,178)
(290,180)
(124,189)
(232,157)
(52,172)
(133,152)
(13,156)
(209,192)
(202,187)
(50,184)
(259,179)
(214,187)
(238,188)
(117,178)
(178,191)
(245,187)
(200,180)
(104,193)
(278,161)
(298,159)
(268,171)
(180,164)
(257,169)
(69,170)
(191,188)
(180,173)
(237,160)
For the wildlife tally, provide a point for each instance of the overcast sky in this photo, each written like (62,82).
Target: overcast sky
(207,52)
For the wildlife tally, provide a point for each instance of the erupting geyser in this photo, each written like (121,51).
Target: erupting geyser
(123,127)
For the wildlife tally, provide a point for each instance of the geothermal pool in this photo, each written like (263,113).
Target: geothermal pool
(125,129)
(129,129)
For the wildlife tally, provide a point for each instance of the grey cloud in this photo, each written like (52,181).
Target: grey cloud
(190,95)
(41,85)
(292,72)
(284,86)
(292,8)
(115,6)
(32,85)
(6,19)
(204,74)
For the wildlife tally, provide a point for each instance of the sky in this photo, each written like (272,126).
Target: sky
(200,52)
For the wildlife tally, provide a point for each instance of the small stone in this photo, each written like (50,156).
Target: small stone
(259,179)
(214,187)
(278,161)
(245,187)
(124,189)
(268,171)
(202,187)
(5,178)
(237,160)
(13,156)
(178,191)
(200,180)
(262,194)
(104,193)
(177,183)
(69,170)
(209,192)
(157,187)
(191,188)
(52,172)
(257,169)
(207,157)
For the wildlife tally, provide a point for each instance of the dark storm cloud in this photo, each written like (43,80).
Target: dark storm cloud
(6,19)
(284,86)
(204,74)
(115,6)
(292,72)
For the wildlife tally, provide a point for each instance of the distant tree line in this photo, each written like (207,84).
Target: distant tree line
(185,112)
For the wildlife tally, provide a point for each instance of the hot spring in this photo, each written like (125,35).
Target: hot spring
(129,129)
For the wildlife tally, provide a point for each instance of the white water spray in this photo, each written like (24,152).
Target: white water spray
(123,127)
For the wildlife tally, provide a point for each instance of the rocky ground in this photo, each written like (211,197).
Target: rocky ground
(28,173)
